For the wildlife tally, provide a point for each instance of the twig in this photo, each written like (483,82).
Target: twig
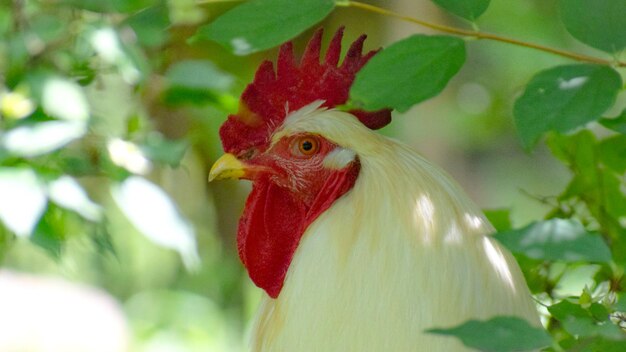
(481,35)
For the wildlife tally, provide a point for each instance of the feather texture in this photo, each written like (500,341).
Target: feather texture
(404,251)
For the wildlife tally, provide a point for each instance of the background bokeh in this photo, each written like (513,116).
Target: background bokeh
(165,263)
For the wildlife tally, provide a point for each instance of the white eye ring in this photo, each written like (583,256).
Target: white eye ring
(339,158)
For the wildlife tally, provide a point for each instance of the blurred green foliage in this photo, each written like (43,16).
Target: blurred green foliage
(107,125)
(109,113)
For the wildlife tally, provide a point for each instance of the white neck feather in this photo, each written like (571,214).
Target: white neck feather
(405,250)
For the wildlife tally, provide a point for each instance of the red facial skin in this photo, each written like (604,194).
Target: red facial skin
(290,190)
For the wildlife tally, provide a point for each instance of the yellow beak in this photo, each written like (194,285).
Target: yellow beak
(227,167)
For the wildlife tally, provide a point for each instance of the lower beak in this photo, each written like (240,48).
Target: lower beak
(227,167)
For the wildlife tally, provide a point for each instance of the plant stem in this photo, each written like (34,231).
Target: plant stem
(481,35)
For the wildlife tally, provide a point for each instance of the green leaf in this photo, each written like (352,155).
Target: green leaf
(575,149)
(109,6)
(468,9)
(499,218)
(262,24)
(100,6)
(407,72)
(48,28)
(563,98)
(169,152)
(599,312)
(150,25)
(6,240)
(613,198)
(199,82)
(598,23)
(613,153)
(598,344)
(102,240)
(579,153)
(499,334)
(46,236)
(585,322)
(556,239)
(620,306)
(198,74)
(579,326)
(617,124)
(565,309)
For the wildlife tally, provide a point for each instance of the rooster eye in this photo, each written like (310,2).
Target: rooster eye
(308,145)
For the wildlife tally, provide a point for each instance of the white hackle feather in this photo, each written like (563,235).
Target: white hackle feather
(404,251)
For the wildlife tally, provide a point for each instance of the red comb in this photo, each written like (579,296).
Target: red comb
(272,95)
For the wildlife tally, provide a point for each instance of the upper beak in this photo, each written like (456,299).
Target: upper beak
(227,167)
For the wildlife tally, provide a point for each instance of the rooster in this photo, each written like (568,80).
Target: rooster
(359,243)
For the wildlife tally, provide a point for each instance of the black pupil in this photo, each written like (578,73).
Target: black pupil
(307,146)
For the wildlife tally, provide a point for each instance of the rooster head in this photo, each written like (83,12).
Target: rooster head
(295,177)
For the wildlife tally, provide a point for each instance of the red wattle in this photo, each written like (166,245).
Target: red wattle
(274,221)
(269,234)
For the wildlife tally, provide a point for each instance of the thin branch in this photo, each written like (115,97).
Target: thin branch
(481,35)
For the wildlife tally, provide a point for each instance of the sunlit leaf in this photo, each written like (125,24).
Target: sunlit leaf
(23,200)
(187,12)
(407,72)
(15,105)
(598,23)
(468,9)
(556,239)
(64,99)
(499,334)
(155,215)
(68,193)
(107,44)
(42,137)
(563,98)
(129,156)
(261,24)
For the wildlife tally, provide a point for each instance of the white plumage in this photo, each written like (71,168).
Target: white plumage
(405,250)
